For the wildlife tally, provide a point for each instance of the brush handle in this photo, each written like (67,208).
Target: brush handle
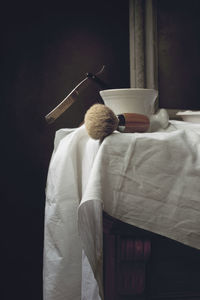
(132,122)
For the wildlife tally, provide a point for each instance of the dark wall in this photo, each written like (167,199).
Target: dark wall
(46,49)
(178,53)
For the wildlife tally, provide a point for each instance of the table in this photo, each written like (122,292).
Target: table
(148,180)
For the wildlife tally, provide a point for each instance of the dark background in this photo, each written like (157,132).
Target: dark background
(46,49)
(178,54)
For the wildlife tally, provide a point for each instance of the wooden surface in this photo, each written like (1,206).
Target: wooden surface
(142,265)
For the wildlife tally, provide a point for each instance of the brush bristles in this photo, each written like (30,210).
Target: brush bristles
(100,121)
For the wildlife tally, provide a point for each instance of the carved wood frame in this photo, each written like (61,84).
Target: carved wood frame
(143,47)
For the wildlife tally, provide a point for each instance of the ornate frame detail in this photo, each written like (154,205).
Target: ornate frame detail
(143,47)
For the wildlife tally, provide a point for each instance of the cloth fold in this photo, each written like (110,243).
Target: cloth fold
(68,174)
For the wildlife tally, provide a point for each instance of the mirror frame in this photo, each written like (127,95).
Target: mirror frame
(144,47)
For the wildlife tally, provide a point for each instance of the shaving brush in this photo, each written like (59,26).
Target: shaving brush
(100,121)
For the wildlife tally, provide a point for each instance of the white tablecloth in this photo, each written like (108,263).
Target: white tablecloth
(149,180)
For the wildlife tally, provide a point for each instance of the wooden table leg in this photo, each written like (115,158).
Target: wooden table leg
(125,258)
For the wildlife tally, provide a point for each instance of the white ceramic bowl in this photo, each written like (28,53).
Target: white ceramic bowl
(130,100)
(190,116)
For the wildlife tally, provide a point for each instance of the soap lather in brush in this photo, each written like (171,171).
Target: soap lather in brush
(100,121)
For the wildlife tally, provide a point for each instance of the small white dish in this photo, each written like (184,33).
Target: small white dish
(190,115)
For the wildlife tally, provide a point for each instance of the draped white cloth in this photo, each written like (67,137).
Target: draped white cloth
(68,175)
(149,180)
